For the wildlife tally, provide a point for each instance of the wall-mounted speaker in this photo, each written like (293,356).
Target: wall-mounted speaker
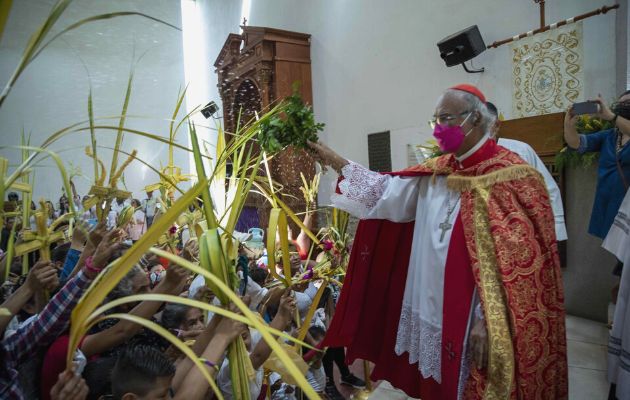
(461,46)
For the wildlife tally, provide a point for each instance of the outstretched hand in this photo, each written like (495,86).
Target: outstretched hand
(604,112)
(43,276)
(70,386)
(326,156)
(106,248)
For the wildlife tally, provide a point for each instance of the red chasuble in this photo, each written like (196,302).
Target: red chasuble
(503,244)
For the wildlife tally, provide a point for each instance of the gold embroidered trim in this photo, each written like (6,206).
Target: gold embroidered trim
(463,183)
(501,363)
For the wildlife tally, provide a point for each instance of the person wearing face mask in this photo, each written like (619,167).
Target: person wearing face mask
(613,172)
(528,155)
(454,288)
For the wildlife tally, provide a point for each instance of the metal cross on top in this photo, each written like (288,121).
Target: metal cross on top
(541,3)
(44,236)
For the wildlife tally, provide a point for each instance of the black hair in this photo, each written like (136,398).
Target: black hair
(493,109)
(317,331)
(325,295)
(137,369)
(97,375)
(258,275)
(60,253)
(173,315)
(13,196)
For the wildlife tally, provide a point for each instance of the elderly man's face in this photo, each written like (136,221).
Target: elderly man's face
(451,110)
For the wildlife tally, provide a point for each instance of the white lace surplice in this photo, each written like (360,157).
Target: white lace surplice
(369,195)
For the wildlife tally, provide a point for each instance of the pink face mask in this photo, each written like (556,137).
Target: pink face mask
(450,137)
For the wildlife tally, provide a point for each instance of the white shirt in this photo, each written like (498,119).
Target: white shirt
(528,155)
(149,206)
(316,378)
(118,207)
(225,383)
(255,292)
(618,243)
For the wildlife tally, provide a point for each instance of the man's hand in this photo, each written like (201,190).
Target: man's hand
(96,235)
(326,156)
(176,277)
(80,235)
(604,112)
(570,119)
(287,307)
(204,294)
(43,276)
(229,328)
(106,249)
(479,344)
(191,251)
(69,386)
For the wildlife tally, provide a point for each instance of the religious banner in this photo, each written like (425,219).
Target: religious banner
(548,72)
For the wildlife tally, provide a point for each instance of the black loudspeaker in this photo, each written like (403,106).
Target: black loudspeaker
(461,46)
(209,109)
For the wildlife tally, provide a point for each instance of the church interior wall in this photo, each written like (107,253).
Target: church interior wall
(53,91)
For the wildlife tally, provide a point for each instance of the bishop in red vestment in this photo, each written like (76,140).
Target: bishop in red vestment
(454,289)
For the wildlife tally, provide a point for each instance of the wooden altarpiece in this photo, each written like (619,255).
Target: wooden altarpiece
(256,69)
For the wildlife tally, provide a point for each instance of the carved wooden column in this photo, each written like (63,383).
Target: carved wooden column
(255,69)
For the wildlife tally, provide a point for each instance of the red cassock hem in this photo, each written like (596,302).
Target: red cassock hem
(368,310)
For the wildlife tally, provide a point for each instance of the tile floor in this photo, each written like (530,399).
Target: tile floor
(586,342)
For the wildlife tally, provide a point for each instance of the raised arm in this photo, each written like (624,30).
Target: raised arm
(571,135)
(194,386)
(367,194)
(281,321)
(43,276)
(124,330)
(605,113)
(54,319)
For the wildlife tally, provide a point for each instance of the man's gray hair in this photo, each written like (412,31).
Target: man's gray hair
(125,286)
(475,104)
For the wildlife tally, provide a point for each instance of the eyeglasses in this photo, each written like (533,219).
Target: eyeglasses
(446,119)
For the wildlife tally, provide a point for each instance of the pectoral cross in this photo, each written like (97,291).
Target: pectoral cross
(444,226)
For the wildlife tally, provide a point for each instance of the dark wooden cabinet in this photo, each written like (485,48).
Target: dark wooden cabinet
(255,70)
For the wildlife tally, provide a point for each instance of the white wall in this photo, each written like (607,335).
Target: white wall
(52,93)
(376,66)
(207,23)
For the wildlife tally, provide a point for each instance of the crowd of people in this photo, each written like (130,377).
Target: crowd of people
(118,359)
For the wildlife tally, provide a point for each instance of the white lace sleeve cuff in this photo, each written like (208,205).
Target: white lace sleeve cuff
(360,190)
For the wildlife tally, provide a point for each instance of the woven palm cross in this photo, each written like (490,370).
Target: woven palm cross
(4,185)
(102,194)
(41,239)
